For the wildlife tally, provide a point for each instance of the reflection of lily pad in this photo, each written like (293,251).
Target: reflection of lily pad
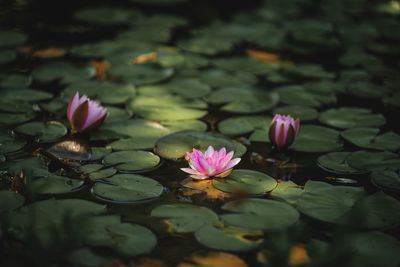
(350,117)
(176,145)
(127,188)
(248,181)
(132,161)
(184,218)
(369,138)
(261,214)
(317,139)
(336,162)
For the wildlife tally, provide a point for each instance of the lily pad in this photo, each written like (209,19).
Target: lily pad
(106,15)
(127,188)
(260,214)
(350,117)
(132,161)
(329,204)
(8,144)
(369,138)
(317,139)
(220,78)
(228,238)
(7,56)
(43,131)
(304,113)
(10,201)
(175,146)
(184,218)
(243,100)
(63,71)
(141,74)
(287,191)
(374,161)
(386,180)
(249,181)
(12,38)
(71,149)
(244,124)
(336,162)
(55,184)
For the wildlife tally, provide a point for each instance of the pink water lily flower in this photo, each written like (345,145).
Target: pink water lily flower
(84,114)
(210,164)
(283,131)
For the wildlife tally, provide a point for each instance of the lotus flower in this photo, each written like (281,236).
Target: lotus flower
(84,114)
(210,164)
(283,131)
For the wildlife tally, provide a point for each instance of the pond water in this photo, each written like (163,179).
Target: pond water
(181,74)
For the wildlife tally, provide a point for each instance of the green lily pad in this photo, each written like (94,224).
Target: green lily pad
(7,119)
(244,124)
(26,95)
(8,144)
(43,131)
(329,204)
(228,238)
(317,139)
(12,38)
(175,146)
(48,220)
(386,180)
(299,96)
(55,184)
(127,188)
(206,46)
(244,64)
(220,78)
(374,161)
(126,239)
(378,211)
(287,191)
(141,74)
(336,162)
(392,100)
(249,181)
(16,106)
(243,99)
(187,87)
(184,218)
(106,15)
(63,71)
(165,113)
(86,258)
(10,201)
(304,113)
(7,56)
(369,138)
(132,161)
(172,57)
(96,171)
(260,214)
(350,117)
(104,91)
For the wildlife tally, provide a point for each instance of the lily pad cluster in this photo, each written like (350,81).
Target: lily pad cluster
(173,80)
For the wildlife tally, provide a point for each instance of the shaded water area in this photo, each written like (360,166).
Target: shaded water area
(182,74)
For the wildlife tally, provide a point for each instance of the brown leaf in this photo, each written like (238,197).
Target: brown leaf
(101,67)
(298,255)
(149,262)
(48,52)
(214,259)
(145,58)
(193,187)
(263,56)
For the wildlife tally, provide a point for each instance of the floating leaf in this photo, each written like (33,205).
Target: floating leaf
(386,180)
(43,131)
(184,218)
(127,188)
(228,238)
(249,181)
(336,162)
(317,139)
(374,161)
(369,138)
(260,214)
(10,200)
(350,117)
(214,259)
(71,149)
(54,184)
(132,161)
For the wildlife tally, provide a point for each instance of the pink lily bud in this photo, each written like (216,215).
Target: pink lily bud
(283,131)
(84,114)
(210,164)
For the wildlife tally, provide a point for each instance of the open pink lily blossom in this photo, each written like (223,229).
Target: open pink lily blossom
(283,131)
(84,114)
(212,163)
